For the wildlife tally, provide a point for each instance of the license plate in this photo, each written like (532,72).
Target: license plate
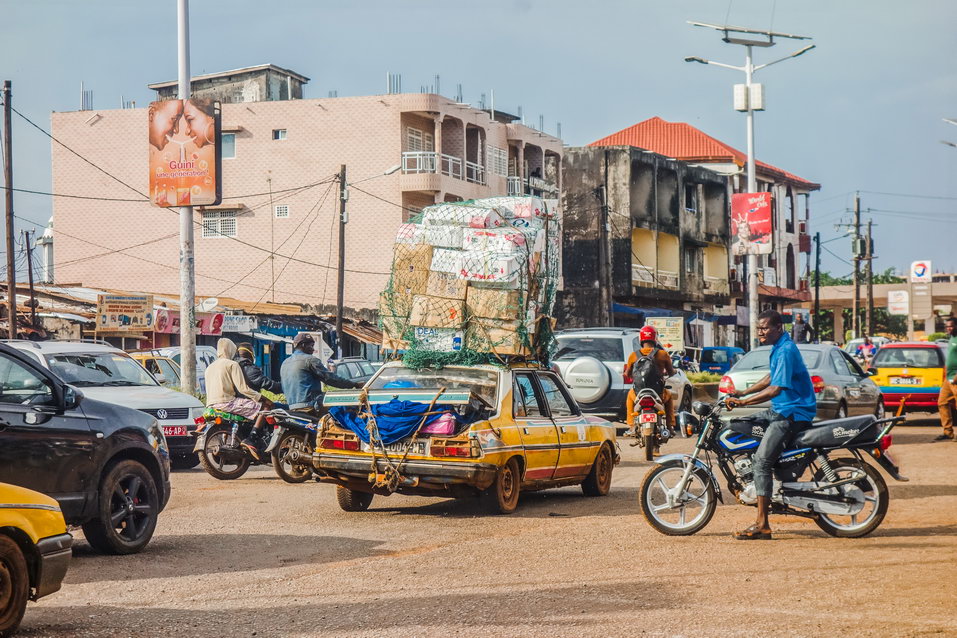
(419,448)
(906,380)
(648,418)
(174,430)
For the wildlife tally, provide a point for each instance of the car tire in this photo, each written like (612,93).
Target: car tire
(184,461)
(502,496)
(127,510)
(14,585)
(353,500)
(598,481)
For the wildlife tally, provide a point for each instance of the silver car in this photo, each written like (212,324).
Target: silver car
(841,386)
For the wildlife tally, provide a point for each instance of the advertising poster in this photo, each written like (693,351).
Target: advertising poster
(124,313)
(671,331)
(207,323)
(751,226)
(184,152)
(898,302)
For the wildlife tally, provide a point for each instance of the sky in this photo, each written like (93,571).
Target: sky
(863,112)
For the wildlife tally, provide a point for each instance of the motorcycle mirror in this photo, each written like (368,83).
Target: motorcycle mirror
(701,408)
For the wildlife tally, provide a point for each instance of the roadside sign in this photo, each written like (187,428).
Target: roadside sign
(751,225)
(921,272)
(671,331)
(898,302)
(124,313)
(184,152)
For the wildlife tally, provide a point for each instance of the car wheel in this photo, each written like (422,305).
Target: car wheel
(127,510)
(353,500)
(184,461)
(14,585)
(841,412)
(598,481)
(502,496)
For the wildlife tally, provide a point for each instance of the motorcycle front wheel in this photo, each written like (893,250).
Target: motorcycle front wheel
(224,467)
(873,500)
(289,442)
(691,512)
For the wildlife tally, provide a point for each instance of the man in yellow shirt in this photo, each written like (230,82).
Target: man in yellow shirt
(650,348)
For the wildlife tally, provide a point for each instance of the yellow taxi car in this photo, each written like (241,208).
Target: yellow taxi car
(912,371)
(35,551)
(163,368)
(514,428)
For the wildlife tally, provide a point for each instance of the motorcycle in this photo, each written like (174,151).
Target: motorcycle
(845,496)
(650,427)
(220,434)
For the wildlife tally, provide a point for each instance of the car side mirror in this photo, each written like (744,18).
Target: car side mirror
(71,398)
(871,372)
(701,408)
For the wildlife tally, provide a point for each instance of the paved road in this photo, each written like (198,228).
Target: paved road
(259,557)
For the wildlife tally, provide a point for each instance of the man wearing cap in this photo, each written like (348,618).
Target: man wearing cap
(253,373)
(303,374)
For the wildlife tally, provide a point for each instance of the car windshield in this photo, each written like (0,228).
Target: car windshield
(602,348)
(912,357)
(714,356)
(85,369)
(761,359)
(484,383)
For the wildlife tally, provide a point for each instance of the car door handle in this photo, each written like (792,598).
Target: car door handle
(562,428)
(525,430)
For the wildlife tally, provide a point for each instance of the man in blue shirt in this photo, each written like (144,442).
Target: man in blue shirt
(303,374)
(793,406)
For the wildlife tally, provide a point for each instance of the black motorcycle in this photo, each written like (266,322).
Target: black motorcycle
(844,495)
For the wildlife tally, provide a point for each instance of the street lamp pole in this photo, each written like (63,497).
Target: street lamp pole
(187,263)
(753,299)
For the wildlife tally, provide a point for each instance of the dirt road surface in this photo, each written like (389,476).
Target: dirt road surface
(257,557)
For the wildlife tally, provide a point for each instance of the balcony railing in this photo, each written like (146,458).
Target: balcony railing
(451,166)
(474,173)
(716,284)
(419,162)
(516,185)
(645,276)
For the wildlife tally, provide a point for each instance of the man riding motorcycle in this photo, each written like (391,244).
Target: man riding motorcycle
(303,374)
(227,391)
(662,365)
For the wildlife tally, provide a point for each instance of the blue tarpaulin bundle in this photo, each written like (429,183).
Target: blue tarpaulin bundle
(395,419)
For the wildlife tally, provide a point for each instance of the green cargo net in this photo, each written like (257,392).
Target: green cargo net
(473,282)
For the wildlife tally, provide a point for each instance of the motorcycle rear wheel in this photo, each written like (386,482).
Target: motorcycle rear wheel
(215,466)
(284,469)
(648,440)
(699,498)
(875,495)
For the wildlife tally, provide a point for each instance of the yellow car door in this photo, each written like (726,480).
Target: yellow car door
(578,445)
(538,431)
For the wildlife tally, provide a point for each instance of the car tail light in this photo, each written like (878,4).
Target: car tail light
(339,444)
(454,448)
(886,441)
(646,402)
(818,384)
(726,386)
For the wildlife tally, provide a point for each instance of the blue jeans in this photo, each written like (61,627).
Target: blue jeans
(778,433)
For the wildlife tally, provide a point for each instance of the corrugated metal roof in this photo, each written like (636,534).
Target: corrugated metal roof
(688,144)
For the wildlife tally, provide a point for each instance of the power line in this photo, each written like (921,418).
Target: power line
(834,254)
(146,200)
(944,197)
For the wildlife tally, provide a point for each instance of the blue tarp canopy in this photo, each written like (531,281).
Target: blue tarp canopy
(645,312)
(396,419)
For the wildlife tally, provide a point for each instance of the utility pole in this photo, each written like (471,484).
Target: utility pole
(869,276)
(187,263)
(817,286)
(343,219)
(605,293)
(856,246)
(8,182)
(33,294)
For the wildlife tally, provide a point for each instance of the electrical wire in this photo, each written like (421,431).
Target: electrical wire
(944,197)
(834,254)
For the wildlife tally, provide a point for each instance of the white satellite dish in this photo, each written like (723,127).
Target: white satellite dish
(208,304)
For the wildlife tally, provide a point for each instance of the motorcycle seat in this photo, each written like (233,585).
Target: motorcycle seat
(305,415)
(838,432)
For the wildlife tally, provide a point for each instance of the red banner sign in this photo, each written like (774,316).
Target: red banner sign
(207,323)
(751,224)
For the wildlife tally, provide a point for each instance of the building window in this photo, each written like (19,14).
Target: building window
(498,161)
(691,197)
(418,141)
(282,211)
(219,223)
(228,145)
(692,261)
(279,133)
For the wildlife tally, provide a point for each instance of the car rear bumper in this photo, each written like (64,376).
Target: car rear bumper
(55,553)
(922,398)
(611,406)
(479,475)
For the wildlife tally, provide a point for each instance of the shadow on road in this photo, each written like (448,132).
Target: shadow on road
(191,554)
(523,608)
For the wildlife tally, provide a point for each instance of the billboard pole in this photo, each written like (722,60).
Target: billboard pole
(8,198)
(187,265)
(752,187)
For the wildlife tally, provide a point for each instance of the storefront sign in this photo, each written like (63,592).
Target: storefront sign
(671,331)
(921,272)
(184,152)
(207,323)
(124,312)
(898,302)
(751,225)
(239,323)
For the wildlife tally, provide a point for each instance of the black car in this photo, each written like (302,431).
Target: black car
(107,465)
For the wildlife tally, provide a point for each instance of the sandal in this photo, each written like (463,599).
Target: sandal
(752,533)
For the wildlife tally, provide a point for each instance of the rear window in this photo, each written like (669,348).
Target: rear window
(482,382)
(911,357)
(602,348)
(761,360)
(714,356)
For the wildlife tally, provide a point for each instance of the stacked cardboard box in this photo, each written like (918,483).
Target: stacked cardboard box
(477,275)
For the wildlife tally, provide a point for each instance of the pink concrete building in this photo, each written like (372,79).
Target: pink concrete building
(274,236)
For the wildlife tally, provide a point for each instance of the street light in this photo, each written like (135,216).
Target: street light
(732,35)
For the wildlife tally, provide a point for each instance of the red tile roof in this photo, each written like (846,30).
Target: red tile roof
(686,143)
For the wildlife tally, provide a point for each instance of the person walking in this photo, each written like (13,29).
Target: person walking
(948,394)
(793,406)
(800,330)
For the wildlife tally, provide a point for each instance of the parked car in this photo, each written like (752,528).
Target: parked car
(842,388)
(353,368)
(592,363)
(913,371)
(106,465)
(164,370)
(851,346)
(205,355)
(719,359)
(521,430)
(34,551)
(108,374)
